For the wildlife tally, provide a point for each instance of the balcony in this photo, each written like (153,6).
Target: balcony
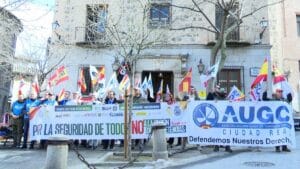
(91,38)
(242,37)
(156,23)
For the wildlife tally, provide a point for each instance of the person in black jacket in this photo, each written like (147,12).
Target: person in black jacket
(218,94)
(278,96)
(110,99)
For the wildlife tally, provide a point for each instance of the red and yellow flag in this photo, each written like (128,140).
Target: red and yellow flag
(81,81)
(35,85)
(101,74)
(59,76)
(185,84)
(61,95)
(278,76)
(263,74)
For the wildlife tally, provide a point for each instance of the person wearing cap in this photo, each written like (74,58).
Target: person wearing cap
(47,100)
(17,113)
(66,99)
(218,94)
(193,94)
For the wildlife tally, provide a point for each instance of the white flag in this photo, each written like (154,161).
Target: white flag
(113,82)
(257,91)
(235,94)
(213,71)
(93,74)
(150,86)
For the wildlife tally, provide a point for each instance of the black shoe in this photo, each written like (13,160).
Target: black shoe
(284,148)
(277,149)
(23,147)
(111,147)
(31,147)
(216,148)
(228,149)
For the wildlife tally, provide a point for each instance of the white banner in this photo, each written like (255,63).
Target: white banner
(105,121)
(203,122)
(265,124)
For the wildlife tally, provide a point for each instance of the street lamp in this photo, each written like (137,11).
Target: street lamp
(201,67)
(55,25)
(263,24)
(116,64)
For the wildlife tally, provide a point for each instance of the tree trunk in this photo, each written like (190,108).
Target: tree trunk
(130,105)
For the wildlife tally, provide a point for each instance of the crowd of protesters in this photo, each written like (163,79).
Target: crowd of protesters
(20,114)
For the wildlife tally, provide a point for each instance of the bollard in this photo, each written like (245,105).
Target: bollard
(159,141)
(57,153)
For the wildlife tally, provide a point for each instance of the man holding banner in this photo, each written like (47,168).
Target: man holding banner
(278,96)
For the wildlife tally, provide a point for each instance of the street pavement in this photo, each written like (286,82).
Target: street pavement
(192,158)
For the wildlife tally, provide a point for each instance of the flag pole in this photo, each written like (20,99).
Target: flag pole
(269,78)
(125,126)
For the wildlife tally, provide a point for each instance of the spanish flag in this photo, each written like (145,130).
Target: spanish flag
(35,85)
(33,111)
(101,74)
(125,83)
(61,95)
(278,76)
(185,84)
(81,81)
(263,74)
(59,76)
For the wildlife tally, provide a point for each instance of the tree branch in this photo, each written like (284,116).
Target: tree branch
(206,17)
(195,27)
(264,6)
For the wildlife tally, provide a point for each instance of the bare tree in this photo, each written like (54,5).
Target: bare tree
(129,34)
(233,15)
(33,48)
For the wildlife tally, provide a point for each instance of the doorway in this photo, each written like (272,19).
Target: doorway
(157,76)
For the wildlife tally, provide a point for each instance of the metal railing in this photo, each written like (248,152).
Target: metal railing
(90,34)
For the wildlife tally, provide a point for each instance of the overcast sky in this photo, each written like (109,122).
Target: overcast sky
(36,17)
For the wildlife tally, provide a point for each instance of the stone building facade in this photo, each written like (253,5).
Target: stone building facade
(10,28)
(169,60)
(285,41)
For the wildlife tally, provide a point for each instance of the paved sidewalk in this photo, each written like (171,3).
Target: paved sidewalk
(191,157)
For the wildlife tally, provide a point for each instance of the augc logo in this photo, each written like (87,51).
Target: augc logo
(205,115)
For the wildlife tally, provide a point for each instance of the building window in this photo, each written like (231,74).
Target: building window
(160,15)
(96,22)
(13,41)
(228,78)
(298,25)
(235,34)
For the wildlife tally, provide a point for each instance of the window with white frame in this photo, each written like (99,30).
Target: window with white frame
(96,21)
(219,12)
(160,14)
